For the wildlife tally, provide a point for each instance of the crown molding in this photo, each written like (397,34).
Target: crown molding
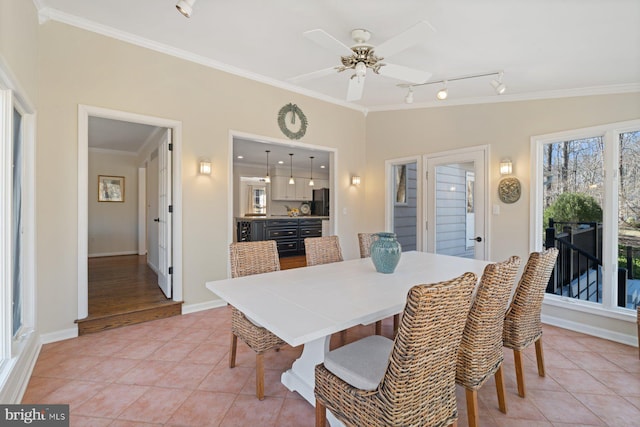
(45,14)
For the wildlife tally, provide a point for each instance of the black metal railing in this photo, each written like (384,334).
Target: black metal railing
(577,273)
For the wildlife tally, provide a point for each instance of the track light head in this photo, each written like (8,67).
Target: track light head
(443,93)
(409,98)
(498,86)
(185,7)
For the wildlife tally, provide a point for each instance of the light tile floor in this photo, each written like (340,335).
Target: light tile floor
(174,372)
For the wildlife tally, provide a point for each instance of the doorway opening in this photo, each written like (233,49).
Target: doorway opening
(128,219)
(403,197)
(456,201)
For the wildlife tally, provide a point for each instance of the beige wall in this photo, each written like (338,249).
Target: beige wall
(80,67)
(113,226)
(505,127)
(19,43)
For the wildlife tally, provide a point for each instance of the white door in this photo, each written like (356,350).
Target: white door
(456,203)
(164,216)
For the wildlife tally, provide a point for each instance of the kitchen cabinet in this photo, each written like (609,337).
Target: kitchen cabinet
(289,233)
(282,190)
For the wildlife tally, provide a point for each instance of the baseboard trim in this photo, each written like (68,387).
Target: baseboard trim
(20,369)
(112,254)
(590,330)
(64,334)
(194,308)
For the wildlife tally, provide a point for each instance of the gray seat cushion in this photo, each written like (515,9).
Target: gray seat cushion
(362,363)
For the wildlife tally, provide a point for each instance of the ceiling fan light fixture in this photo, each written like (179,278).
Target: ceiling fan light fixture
(498,86)
(443,93)
(409,98)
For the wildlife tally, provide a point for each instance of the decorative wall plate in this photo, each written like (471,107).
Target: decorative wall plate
(305,209)
(509,189)
(292,121)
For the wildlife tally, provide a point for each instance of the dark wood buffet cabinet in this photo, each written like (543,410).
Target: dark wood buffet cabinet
(289,233)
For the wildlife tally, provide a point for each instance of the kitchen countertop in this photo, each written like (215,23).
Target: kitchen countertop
(265,218)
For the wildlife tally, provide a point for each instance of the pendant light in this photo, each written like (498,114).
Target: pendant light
(291,180)
(267,178)
(311,183)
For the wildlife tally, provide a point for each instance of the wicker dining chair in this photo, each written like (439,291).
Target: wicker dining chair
(322,250)
(409,381)
(522,325)
(249,258)
(480,354)
(365,240)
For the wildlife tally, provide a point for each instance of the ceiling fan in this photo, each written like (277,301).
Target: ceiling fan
(362,56)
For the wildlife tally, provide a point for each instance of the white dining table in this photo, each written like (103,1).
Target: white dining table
(306,305)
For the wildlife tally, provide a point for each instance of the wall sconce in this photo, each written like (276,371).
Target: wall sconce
(355,180)
(205,167)
(506,167)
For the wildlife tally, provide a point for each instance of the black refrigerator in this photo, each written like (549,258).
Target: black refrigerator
(320,203)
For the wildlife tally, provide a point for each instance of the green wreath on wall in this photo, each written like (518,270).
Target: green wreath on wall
(296,113)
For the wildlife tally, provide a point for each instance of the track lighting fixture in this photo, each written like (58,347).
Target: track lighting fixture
(409,98)
(267,178)
(185,7)
(291,180)
(498,86)
(443,93)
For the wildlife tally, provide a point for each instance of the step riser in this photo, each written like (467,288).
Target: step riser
(119,320)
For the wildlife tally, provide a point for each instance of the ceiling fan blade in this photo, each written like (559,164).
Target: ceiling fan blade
(404,73)
(356,87)
(416,34)
(329,42)
(312,75)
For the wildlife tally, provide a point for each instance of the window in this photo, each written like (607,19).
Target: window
(586,202)
(18,342)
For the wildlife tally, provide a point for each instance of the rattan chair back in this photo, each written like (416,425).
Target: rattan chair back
(522,325)
(480,353)
(419,385)
(322,250)
(364,242)
(249,258)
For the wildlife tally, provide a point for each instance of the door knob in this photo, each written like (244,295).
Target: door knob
(477,239)
(156,219)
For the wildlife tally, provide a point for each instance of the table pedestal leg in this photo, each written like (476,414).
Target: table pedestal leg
(301,376)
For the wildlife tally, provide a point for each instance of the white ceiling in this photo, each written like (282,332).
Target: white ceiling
(546,48)
(107,134)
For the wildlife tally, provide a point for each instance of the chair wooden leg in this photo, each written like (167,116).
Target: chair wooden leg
(396,324)
(540,357)
(232,350)
(321,414)
(343,337)
(454,423)
(379,327)
(260,376)
(517,357)
(502,401)
(472,407)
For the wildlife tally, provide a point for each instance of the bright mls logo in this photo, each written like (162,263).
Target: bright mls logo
(34,415)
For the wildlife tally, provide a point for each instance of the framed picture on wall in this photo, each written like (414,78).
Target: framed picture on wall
(110,188)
